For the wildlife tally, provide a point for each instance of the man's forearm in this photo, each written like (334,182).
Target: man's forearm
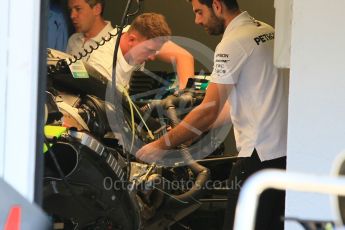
(223,117)
(182,59)
(195,123)
(184,69)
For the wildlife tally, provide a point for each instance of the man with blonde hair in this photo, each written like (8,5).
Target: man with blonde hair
(147,38)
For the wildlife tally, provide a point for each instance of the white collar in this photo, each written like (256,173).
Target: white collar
(239,20)
(107,28)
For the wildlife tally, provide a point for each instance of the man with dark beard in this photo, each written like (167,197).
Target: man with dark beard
(243,75)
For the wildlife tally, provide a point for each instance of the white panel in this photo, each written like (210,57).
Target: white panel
(282,40)
(316,113)
(3,78)
(19,133)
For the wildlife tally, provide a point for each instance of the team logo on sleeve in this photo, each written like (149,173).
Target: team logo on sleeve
(264,38)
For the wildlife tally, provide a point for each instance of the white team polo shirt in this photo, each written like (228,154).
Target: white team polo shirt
(102,60)
(244,58)
(76,43)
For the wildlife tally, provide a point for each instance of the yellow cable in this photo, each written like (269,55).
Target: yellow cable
(148,130)
(132,116)
(131,104)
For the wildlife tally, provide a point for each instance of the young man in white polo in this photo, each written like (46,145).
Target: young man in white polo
(87,19)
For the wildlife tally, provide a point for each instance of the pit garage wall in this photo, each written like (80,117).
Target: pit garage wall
(19,39)
(317,100)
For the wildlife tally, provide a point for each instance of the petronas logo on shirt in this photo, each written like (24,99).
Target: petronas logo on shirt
(264,38)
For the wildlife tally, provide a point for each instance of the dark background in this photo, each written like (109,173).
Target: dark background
(180,16)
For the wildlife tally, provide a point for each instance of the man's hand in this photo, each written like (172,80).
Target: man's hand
(151,152)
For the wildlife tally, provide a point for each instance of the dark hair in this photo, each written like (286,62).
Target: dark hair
(92,3)
(206,2)
(231,4)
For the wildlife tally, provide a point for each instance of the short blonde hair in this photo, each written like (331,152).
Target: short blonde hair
(151,25)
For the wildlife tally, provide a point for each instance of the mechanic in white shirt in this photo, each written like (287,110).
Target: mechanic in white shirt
(245,77)
(87,19)
(146,39)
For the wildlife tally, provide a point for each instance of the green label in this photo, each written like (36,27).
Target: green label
(78,70)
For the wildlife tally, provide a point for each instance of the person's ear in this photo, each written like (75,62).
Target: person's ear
(97,9)
(217,7)
(132,39)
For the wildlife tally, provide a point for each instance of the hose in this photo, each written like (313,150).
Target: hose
(202,173)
